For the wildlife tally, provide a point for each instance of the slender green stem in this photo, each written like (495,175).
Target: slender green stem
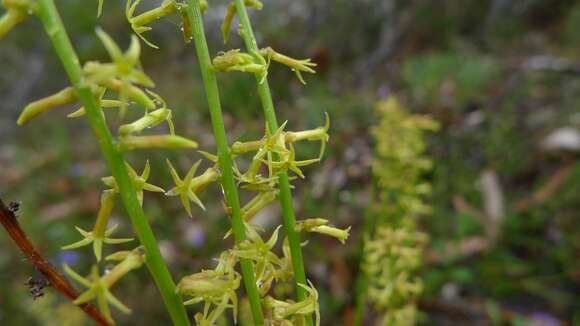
(288,216)
(55,29)
(361,283)
(224,157)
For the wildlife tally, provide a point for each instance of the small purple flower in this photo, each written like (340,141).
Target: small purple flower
(384,92)
(68,257)
(195,236)
(544,319)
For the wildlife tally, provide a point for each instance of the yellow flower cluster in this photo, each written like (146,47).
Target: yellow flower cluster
(393,254)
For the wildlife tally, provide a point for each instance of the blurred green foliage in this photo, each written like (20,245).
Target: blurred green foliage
(466,63)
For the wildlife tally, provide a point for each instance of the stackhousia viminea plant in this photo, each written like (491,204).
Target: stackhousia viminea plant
(108,90)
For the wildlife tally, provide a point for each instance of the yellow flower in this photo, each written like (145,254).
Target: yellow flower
(100,234)
(99,286)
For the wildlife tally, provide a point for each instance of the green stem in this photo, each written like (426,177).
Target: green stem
(288,216)
(361,283)
(55,29)
(224,157)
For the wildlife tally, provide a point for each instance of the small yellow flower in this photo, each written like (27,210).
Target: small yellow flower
(99,286)
(139,181)
(234,60)
(186,188)
(296,65)
(215,288)
(100,234)
(319,225)
(283,310)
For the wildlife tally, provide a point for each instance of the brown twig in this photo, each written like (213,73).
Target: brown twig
(552,186)
(8,220)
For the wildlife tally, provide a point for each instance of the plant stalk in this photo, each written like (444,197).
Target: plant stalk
(224,157)
(361,283)
(55,29)
(288,216)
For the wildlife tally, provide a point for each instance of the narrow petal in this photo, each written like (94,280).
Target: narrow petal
(116,303)
(110,45)
(86,296)
(75,276)
(78,244)
(117,240)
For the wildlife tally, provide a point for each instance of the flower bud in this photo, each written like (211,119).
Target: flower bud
(149,120)
(129,143)
(32,110)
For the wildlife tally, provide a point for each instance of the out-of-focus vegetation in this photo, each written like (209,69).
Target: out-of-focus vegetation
(501,77)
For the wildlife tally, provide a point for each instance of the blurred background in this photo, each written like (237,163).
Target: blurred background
(501,77)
